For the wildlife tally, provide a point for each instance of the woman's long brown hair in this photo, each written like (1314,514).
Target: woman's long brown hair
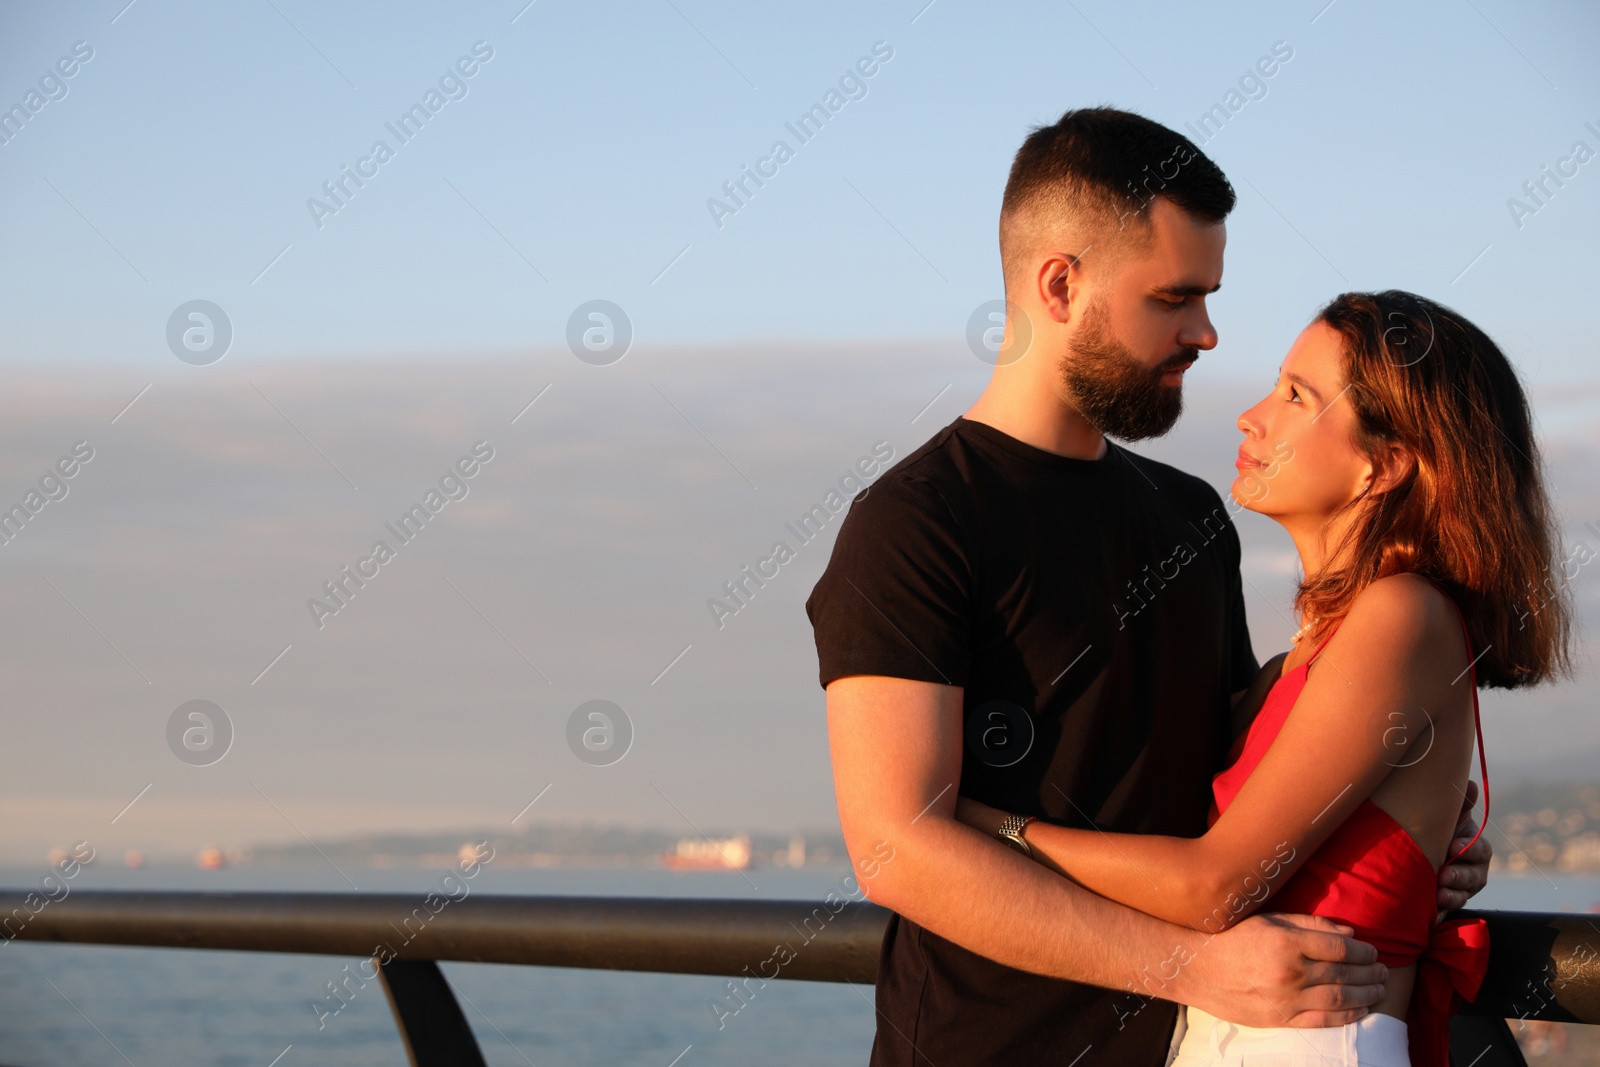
(1473,513)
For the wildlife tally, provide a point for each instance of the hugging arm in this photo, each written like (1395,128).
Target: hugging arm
(897,747)
(1459,880)
(1335,748)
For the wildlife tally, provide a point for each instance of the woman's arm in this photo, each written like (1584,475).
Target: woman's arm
(1394,655)
(1172,878)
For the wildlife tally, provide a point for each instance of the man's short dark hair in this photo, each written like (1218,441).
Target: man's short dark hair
(1098,170)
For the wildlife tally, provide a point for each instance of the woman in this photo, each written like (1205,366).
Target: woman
(1396,449)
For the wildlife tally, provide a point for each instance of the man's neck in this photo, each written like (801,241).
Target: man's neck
(1043,422)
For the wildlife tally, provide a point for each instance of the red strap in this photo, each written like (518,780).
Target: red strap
(1323,644)
(1452,967)
(1477,722)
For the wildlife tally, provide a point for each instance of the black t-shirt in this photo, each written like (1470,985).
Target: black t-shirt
(1092,612)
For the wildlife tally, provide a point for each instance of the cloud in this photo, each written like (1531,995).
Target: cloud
(577,568)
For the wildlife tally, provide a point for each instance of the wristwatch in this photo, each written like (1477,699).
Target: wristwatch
(1011,833)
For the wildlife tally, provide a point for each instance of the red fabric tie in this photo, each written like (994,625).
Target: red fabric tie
(1449,973)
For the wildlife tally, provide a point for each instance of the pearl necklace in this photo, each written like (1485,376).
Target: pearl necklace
(1298,634)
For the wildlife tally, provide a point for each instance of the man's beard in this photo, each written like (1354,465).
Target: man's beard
(1108,385)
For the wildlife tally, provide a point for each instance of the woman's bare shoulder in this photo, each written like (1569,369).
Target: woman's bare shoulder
(1405,621)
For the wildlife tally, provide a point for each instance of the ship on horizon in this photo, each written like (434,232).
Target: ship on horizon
(710,854)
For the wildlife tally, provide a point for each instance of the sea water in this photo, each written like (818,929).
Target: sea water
(90,1005)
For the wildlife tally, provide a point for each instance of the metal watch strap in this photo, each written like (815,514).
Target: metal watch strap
(1011,833)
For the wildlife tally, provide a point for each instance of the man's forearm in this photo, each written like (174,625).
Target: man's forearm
(970,889)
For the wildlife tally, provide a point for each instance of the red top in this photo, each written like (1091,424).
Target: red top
(1370,874)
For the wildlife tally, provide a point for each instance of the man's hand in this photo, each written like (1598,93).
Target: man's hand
(1460,880)
(1285,970)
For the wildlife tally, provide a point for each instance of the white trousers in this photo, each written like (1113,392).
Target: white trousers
(1203,1040)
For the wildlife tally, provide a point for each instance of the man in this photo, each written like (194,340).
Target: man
(1022,613)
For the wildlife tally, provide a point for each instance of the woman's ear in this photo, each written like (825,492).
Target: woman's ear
(1391,467)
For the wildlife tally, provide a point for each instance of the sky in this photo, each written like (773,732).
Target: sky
(354,346)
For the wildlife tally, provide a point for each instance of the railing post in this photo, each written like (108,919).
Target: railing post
(1479,1041)
(431,1025)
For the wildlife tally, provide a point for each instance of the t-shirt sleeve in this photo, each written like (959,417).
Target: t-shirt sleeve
(1242,666)
(895,599)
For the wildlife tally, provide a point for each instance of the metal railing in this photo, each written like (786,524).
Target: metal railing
(1543,966)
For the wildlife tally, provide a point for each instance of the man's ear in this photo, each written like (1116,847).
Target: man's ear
(1060,281)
